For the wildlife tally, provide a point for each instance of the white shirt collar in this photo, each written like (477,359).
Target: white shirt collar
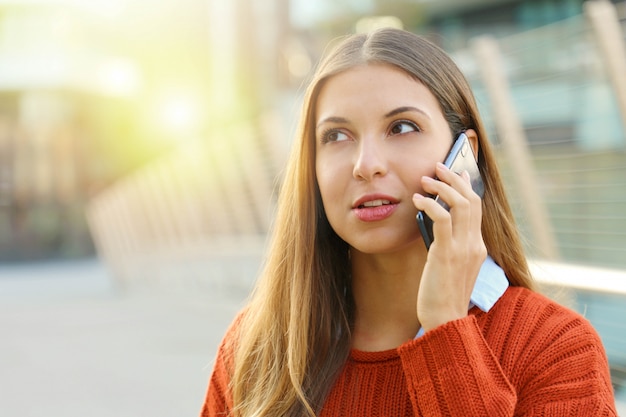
(490,285)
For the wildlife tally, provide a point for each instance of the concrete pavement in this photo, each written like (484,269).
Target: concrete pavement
(73,344)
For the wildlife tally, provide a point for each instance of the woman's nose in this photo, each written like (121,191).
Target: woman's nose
(370,161)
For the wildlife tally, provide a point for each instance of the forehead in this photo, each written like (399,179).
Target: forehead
(373,87)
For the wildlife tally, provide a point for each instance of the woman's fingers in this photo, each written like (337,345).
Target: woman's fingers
(457,194)
(453,186)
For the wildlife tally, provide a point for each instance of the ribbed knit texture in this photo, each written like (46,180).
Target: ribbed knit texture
(527,356)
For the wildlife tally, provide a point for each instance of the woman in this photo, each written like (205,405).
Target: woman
(352,315)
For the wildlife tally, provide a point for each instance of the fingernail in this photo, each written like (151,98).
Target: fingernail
(442,166)
(417,196)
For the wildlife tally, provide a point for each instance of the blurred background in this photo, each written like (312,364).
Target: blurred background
(141,144)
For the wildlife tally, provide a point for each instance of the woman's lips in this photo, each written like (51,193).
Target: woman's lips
(374,210)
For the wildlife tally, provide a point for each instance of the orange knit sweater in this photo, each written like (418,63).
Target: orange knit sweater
(527,356)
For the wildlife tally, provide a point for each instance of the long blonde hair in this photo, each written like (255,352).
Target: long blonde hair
(294,337)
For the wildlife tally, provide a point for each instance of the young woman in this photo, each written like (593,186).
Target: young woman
(352,315)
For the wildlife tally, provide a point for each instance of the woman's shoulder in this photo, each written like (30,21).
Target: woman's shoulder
(535,306)
(533,315)
(540,341)
(227,346)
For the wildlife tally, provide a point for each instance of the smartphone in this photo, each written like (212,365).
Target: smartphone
(460,158)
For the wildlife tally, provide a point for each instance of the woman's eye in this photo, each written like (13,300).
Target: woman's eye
(334,136)
(403,127)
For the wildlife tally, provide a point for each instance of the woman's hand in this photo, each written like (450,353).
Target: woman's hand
(457,252)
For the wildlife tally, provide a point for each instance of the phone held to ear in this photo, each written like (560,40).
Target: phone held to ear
(460,158)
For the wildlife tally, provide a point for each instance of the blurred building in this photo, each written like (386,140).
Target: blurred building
(459,21)
(43,153)
(91,91)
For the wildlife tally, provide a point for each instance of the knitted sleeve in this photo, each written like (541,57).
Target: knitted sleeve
(451,371)
(555,366)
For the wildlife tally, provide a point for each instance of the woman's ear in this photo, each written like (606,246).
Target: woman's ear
(473,140)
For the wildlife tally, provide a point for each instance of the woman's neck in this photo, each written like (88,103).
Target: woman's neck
(385,292)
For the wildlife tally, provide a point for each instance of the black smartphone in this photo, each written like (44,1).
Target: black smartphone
(460,158)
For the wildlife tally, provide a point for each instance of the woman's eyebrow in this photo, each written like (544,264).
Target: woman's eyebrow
(399,110)
(332,119)
(405,109)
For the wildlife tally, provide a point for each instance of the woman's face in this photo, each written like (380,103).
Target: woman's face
(378,131)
